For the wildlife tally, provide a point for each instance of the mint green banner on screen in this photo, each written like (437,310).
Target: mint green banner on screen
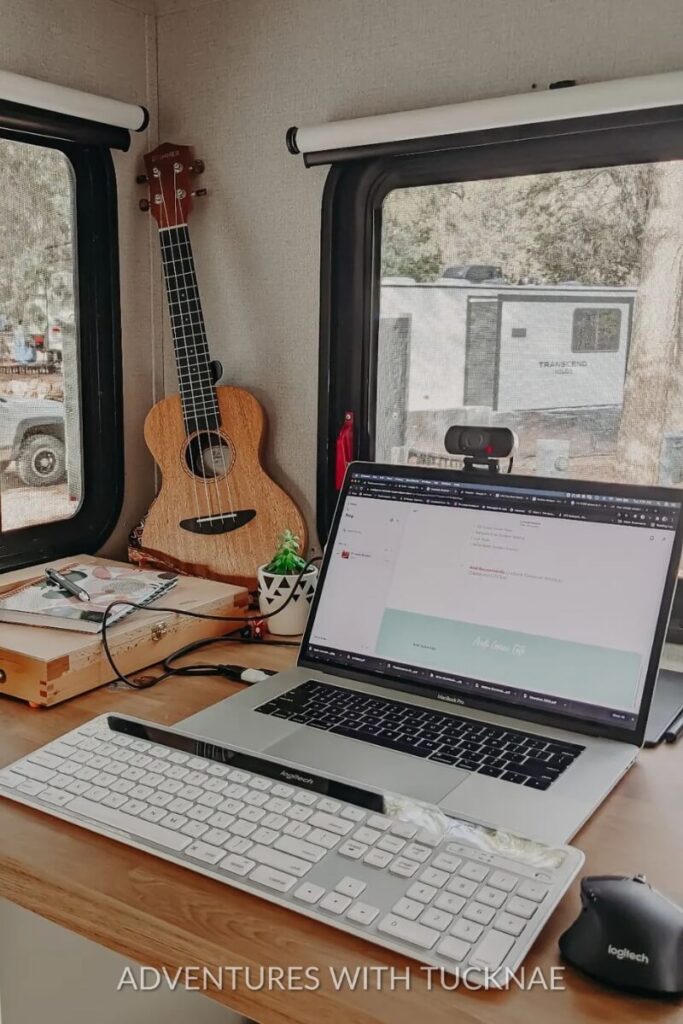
(584,672)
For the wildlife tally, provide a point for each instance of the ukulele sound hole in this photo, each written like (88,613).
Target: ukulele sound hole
(208,455)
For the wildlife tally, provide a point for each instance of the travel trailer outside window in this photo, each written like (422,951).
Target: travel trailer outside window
(61,451)
(41,475)
(526,277)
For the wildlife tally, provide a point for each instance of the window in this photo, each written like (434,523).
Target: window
(527,277)
(60,399)
(40,427)
(596,330)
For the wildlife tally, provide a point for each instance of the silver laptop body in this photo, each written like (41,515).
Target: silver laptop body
(451,601)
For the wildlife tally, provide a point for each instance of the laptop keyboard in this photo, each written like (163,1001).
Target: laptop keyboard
(525,759)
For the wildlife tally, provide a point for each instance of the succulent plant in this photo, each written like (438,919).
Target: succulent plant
(287,559)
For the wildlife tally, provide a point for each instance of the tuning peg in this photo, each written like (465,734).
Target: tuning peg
(200,192)
(197,167)
(144,205)
(142,179)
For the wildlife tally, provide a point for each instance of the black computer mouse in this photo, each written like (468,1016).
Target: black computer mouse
(628,935)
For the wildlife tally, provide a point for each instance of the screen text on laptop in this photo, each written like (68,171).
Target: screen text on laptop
(538,598)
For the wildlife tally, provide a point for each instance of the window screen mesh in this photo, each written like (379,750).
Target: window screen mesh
(549,303)
(40,441)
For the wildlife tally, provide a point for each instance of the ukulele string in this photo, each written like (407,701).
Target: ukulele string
(166,248)
(201,330)
(185,316)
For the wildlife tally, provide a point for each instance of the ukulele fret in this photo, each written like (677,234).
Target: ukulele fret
(195,381)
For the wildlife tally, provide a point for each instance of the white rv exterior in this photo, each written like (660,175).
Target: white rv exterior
(511,347)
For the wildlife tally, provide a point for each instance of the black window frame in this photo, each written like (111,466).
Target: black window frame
(580,313)
(355,190)
(99,351)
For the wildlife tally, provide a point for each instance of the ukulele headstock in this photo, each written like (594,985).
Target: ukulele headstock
(169,170)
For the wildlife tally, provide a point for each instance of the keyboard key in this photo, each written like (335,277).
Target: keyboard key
(353,814)
(348,886)
(266,836)
(477,872)
(238,844)
(331,823)
(420,891)
(216,836)
(308,893)
(491,897)
(450,902)
(533,891)
(447,862)
(304,797)
(378,858)
(403,829)
(521,907)
(491,951)
(417,852)
(38,773)
(453,949)
(193,828)
(330,806)
(352,849)
(379,822)
(240,827)
(236,865)
(510,923)
(335,903)
(410,909)
(300,848)
(366,835)
(431,876)
(392,844)
(502,880)
(137,827)
(404,867)
(479,913)
(468,930)
(434,918)
(322,838)
(408,931)
(282,861)
(461,886)
(362,913)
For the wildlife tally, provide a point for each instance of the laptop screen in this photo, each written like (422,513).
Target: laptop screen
(501,589)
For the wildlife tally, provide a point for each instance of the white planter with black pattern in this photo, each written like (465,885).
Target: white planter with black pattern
(274,589)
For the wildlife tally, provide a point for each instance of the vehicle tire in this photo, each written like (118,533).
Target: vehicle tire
(41,461)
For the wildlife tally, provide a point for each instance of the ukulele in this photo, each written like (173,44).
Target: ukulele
(217,514)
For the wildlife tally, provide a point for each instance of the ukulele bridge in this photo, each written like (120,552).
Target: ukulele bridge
(219,522)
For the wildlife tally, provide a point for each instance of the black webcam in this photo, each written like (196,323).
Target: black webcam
(481,447)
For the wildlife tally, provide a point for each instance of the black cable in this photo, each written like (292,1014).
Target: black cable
(195,645)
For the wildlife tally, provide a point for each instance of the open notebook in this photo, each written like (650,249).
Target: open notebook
(41,603)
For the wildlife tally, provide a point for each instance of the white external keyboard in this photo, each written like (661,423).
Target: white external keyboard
(399,873)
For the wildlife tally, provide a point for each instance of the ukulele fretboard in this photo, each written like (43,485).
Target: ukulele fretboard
(197,393)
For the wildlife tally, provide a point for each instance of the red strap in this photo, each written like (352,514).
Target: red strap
(344,450)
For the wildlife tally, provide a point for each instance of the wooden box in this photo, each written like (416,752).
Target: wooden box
(45,666)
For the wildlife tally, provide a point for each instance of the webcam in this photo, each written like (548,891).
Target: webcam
(481,447)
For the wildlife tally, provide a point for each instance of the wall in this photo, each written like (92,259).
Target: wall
(106,47)
(234,74)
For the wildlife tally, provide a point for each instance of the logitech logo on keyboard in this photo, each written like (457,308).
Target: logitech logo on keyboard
(302,780)
(628,954)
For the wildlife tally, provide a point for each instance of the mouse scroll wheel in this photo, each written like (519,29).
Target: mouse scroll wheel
(640,878)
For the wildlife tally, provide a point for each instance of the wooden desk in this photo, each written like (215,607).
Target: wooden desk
(163,915)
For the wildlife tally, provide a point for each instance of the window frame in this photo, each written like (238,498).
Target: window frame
(351,240)
(99,363)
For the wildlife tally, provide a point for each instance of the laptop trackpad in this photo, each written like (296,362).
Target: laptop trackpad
(366,765)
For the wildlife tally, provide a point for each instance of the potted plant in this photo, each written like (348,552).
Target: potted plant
(279,579)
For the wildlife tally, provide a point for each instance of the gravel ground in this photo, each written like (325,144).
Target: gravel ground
(27,506)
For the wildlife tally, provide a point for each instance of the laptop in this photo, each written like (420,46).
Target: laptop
(488,643)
